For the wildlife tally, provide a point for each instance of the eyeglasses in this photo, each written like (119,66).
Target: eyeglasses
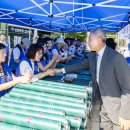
(40,53)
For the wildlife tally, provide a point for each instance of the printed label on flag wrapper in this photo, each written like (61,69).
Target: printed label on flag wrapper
(29,119)
(24,100)
(40,114)
(1,118)
(85,86)
(76,118)
(81,99)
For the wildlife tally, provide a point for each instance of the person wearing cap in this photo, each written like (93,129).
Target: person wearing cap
(7,79)
(57,47)
(59,43)
(3,41)
(18,52)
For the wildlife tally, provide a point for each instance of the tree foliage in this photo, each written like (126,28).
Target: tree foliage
(82,35)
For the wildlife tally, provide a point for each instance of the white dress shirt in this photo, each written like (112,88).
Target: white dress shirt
(99,59)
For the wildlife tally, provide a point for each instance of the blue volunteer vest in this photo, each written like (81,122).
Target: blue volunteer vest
(128,60)
(8,75)
(7,49)
(13,65)
(55,47)
(48,56)
(43,62)
(36,70)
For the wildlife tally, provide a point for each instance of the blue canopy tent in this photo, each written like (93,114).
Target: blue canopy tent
(67,15)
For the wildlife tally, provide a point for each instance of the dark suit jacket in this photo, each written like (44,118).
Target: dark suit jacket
(114,83)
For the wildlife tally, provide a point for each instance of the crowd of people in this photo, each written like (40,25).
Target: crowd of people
(28,62)
(109,70)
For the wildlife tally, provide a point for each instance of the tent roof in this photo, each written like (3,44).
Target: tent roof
(67,15)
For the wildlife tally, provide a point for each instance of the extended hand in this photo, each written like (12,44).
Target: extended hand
(124,124)
(24,79)
(55,57)
(51,72)
(57,71)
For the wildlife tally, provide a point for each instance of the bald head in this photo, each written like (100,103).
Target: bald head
(97,39)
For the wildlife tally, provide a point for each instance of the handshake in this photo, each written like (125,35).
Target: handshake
(53,72)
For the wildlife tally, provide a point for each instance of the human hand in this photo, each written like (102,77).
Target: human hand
(24,79)
(55,57)
(59,58)
(51,72)
(73,56)
(57,71)
(124,124)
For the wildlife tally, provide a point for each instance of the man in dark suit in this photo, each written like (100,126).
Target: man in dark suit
(111,82)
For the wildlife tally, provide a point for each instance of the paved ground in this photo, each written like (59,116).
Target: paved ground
(93,122)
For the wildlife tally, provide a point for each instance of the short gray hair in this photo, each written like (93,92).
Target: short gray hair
(98,32)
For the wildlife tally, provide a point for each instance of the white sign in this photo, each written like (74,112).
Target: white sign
(124,33)
(15,40)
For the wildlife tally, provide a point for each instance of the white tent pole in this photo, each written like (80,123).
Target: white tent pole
(84,18)
(78,3)
(13,11)
(30,33)
(39,6)
(44,15)
(114,6)
(7,14)
(6,18)
(110,26)
(51,3)
(88,22)
(13,18)
(87,6)
(63,13)
(73,12)
(105,2)
(115,21)
(113,16)
(104,19)
(6,9)
(32,7)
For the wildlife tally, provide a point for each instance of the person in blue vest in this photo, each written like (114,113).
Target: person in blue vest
(30,63)
(47,45)
(65,53)
(48,60)
(43,64)
(59,43)
(48,53)
(57,48)
(3,40)
(18,52)
(7,79)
